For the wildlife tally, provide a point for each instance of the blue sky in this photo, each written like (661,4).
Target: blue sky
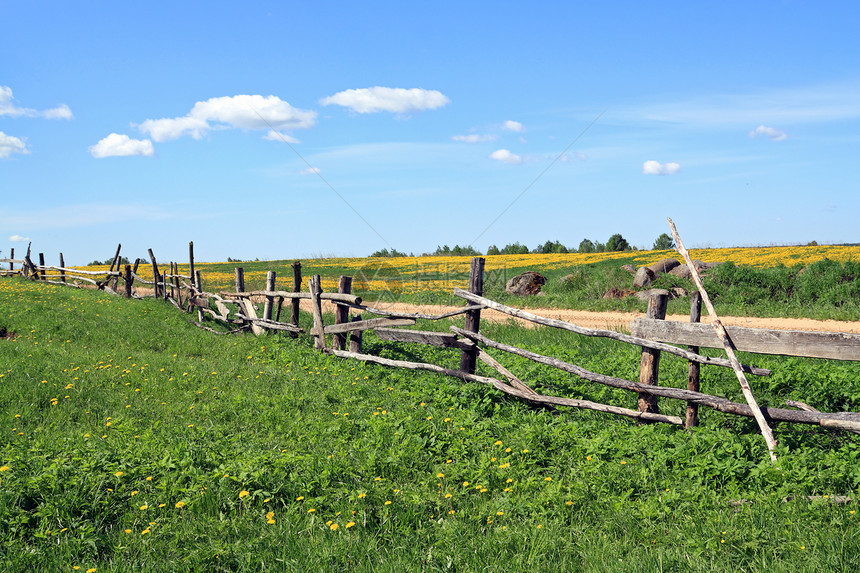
(292,129)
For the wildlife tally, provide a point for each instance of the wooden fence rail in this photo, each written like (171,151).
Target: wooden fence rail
(654,335)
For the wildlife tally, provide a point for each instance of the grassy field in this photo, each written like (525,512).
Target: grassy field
(134,441)
(811,281)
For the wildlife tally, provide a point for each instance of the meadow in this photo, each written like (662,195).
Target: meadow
(134,441)
(804,281)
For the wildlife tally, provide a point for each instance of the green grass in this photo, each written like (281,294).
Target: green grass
(109,405)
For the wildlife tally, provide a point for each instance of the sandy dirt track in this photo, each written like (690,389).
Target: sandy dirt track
(616,320)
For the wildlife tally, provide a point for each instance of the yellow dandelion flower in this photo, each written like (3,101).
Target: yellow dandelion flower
(311,510)
(547,478)
(440,475)
(588,458)
(350,524)
(447,495)
(568,503)
(143,507)
(333,526)
(243,493)
(134,492)
(4,468)
(118,474)
(127,531)
(387,503)
(623,462)
(180,504)
(300,498)
(361,495)
(500,513)
(465,484)
(452,512)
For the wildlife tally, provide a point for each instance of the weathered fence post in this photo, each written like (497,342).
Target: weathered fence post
(176,285)
(128,279)
(62,269)
(692,417)
(154,272)
(473,317)
(11,258)
(191,262)
(270,300)
(650,364)
(355,337)
(41,266)
(198,281)
(318,329)
(297,287)
(341,313)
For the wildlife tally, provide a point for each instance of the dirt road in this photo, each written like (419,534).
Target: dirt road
(616,320)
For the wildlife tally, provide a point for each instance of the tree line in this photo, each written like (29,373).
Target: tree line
(615,243)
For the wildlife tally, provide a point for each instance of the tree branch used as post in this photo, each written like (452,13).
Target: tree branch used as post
(727,343)
(649,366)
(341,312)
(692,417)
(297,287)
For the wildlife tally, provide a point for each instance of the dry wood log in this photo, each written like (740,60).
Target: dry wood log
(368,324)
(503,387)
(416,315)
(349,299)
(512,379)
(841,420)
(691,417)
(649,364)
(270,300)
(727,343)
(515,312)
(807,408)
(262,323)
(73,271)
(440,339)
(341,312)
(61,283)
(473,318)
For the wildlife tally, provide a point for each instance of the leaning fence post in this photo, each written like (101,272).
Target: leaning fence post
(62,269)
(650,364)
(341,313)
(154,272)
(297,287)
(198,281)
(692,417)
(473,317)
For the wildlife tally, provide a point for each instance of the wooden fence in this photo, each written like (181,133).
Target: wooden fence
(343,338)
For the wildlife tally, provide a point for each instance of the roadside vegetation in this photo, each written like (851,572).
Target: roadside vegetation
(133,440)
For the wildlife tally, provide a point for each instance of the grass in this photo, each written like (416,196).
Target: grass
(133,440)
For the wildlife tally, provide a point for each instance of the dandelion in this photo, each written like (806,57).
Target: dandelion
(623,462)
(148,478)
(180,504)
(498,442)
(143,507)
(118,474)
(300,498)
(440,475)
(452,512)
(311,510)
(483,490)
(243,493)
(500,513)
(160,505)
(4,468)
(465,484)
(350,524)
(547,478)
(128,531)
(91,570)
(361,495)
(387,503)
(588,458)
(568,503)
(145,531)
(333,526)
(447,495)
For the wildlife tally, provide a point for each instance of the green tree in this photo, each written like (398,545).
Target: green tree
(617,243)
(493,250)
(663,243)
(586,246)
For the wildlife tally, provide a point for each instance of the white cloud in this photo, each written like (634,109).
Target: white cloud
(770,132)
(515,126)
(309,171)
(10,144)
(59,112)
(475,138)
(240,111)
(657,168)
(506,156)
(119,145)
(19,239)
(7,107)
(395,100)
(279,136)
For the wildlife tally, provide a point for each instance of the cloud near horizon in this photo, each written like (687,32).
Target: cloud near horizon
(656,168)
(505,156)
(395,100)
(770,132)
(250,112)
(475,138)
(119,145)
(19,239)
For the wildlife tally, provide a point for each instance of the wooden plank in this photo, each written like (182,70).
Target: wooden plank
(834,345)
(440,339)
(368,324)
(200,301)
(350,299)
